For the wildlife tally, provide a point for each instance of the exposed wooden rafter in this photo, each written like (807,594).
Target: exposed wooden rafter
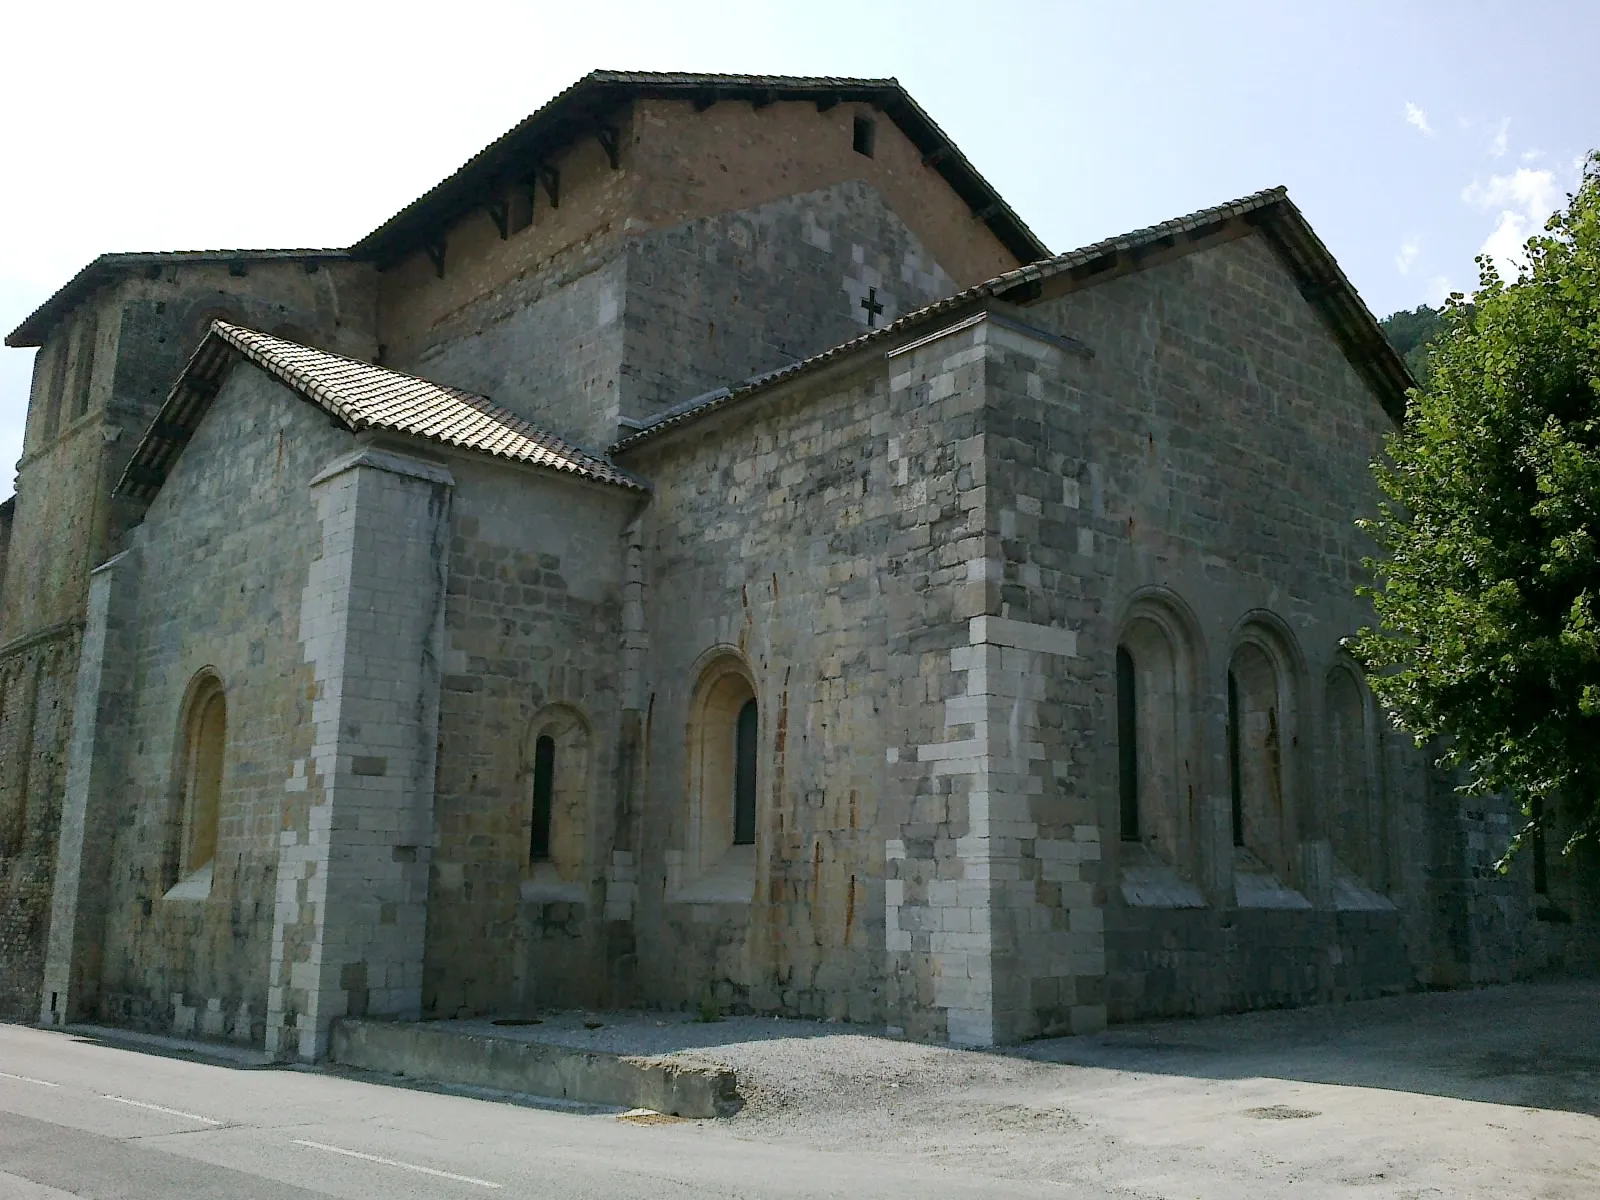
(500,214)
(610,139)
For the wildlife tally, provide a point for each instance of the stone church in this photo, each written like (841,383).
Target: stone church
(707,550)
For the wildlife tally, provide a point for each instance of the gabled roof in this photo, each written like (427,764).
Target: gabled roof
(1321,280)
(582,111)
(358,396)
(109,268)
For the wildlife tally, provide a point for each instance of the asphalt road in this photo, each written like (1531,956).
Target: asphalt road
(1486,1095)
(79,1118)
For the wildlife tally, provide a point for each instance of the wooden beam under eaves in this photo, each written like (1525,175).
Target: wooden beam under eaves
(610,139)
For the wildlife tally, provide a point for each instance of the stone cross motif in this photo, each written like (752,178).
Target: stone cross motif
(871,303)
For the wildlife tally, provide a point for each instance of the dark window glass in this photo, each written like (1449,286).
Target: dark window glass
(862,136)
(744,777)
(1235,784)
(544,776)
(1127,746)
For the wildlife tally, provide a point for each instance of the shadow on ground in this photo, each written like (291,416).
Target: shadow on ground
(1533,1045)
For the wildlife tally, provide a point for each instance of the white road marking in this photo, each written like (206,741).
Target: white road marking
(28,1079)
(171,1112)
(389,1162)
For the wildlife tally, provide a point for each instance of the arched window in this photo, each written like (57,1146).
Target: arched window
(1355,811)
(556,803)
(204,760)
(1261,737)
(1157,734)
(724,813)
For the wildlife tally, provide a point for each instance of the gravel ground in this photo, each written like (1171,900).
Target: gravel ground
(1494,1093)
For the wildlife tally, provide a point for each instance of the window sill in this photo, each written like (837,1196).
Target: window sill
(196,886)
(731,880)
(1158,886)
(1352,895)
(544,885)
(1253,889)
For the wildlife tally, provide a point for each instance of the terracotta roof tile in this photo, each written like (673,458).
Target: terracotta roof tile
(361,396)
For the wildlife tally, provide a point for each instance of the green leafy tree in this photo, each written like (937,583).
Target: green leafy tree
(1488,587)
(1413,334)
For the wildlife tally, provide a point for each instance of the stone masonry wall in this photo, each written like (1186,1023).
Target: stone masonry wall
(547,346)
(608,329)
(35,716)
(1213,452)
(222,559)
(821,537)
(717,300)
(533,624)
(706,216)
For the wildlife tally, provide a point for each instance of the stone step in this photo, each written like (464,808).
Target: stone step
(439,1055)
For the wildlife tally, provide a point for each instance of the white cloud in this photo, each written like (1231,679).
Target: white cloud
(1497,144)
(1529,156)
(1409,249)
(1438,290)
(1415,116)
(1525,198)
(1529,190)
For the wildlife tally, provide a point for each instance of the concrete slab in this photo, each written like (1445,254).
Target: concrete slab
(510,1058)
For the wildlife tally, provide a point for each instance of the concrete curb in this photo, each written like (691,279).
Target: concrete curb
(536,1068)
(220,1053)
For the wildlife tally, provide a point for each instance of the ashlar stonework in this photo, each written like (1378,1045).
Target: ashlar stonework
(801,594)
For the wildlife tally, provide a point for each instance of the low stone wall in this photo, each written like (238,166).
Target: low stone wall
(513,1065)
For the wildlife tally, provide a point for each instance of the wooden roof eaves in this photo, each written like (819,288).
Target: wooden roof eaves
(578,110)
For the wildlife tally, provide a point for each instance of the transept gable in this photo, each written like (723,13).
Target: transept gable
(357,396)
(1317,275)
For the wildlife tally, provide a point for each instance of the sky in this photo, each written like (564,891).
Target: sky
(1414,136)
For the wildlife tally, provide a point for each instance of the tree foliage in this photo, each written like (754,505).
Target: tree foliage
(1413,334)
(1488,587)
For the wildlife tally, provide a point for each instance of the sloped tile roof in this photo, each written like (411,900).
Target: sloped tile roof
(1320,278)
(359,396)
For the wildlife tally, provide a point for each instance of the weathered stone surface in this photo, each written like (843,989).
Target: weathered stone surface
(918,560)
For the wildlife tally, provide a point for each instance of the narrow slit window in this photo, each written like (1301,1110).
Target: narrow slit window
(1127,745)
(544,777)
(55,397)
(862,136)
(744,779)
(84,378)
(1235,765)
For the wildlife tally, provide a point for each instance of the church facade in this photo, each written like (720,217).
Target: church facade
(707,551)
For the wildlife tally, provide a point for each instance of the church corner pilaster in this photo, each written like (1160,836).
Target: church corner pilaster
(83,840)
(352,879)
